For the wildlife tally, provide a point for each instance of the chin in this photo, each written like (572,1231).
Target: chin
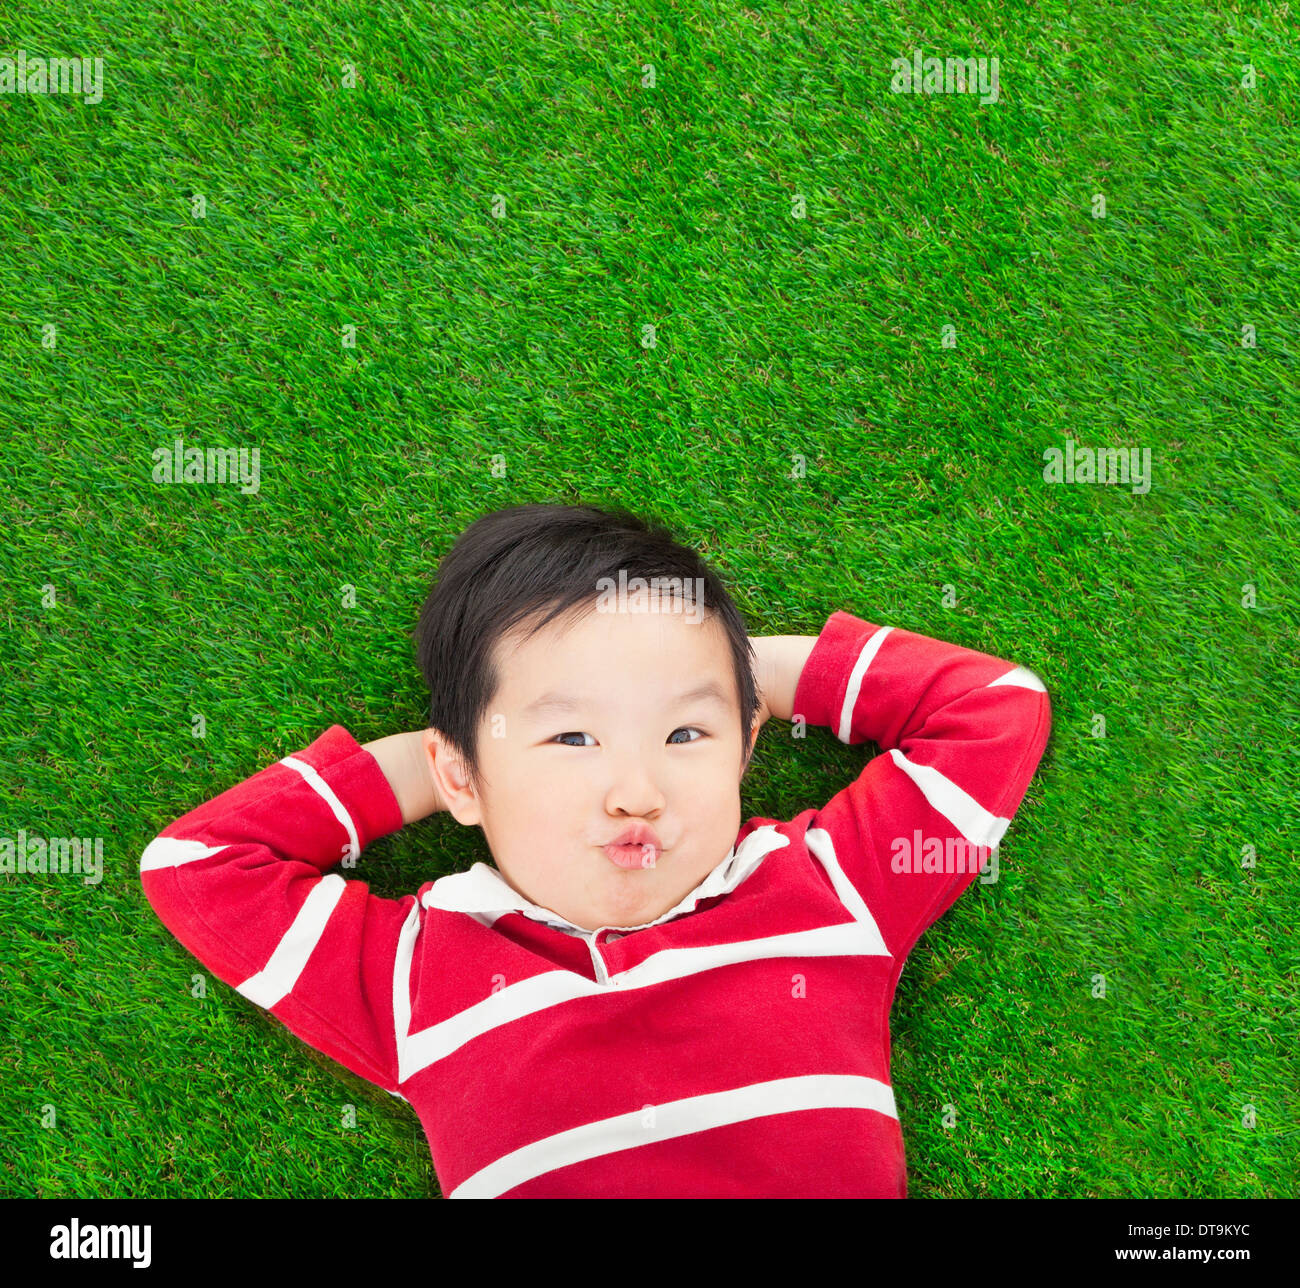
(633,910)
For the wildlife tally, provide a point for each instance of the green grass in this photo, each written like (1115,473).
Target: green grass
(521,337)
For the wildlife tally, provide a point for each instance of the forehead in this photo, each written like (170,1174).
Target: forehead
(603,656)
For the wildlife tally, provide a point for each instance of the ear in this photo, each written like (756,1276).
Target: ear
(753,742)
(451,779)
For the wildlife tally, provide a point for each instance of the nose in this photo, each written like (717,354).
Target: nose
(634,791)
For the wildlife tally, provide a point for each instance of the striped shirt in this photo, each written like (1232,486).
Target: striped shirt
(737,1046)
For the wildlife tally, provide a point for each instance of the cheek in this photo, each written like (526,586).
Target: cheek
(708,790)
(542,791)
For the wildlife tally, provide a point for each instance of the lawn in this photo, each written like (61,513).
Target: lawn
(705,262)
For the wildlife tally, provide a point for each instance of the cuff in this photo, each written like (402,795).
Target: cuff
(354,776)
(824,680)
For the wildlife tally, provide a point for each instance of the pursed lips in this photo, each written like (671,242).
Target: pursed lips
(637,846)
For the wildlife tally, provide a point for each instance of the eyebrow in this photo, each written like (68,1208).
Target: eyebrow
(709,692)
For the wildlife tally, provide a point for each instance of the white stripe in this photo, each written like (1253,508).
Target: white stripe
(553,988)
(1022,677)
(419,1050)
(402,984)
(848,939)
(677,1118)
(326,792)
(822,848)
(280,974)
(963,811)
(171,852)
(869,651)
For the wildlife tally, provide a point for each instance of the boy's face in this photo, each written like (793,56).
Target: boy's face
(562,783)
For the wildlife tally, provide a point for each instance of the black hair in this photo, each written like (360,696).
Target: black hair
(522,567)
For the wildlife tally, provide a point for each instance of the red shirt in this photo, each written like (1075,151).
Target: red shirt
(737,1046)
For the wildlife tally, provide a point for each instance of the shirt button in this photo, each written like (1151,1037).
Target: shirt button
(612,935)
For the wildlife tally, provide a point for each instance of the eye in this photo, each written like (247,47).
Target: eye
(688,729)
(558,736)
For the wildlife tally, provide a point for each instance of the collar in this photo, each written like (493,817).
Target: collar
(485,895)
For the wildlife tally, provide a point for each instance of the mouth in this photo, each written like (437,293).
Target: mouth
(633,856)
(637,846)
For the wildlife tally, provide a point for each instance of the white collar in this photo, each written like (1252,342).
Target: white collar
(485,895)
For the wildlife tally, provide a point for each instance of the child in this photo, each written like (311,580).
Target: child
(642,998)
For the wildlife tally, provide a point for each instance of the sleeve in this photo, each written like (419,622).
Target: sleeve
(961,734)
(241,882)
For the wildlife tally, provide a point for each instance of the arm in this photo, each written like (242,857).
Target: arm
(962,734)
(779,661)
(242,883)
